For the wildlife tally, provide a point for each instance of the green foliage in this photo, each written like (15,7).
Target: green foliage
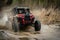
(45,3)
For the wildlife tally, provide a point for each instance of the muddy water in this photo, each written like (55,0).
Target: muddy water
(49,32)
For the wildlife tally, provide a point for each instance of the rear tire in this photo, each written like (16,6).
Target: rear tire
(37,25)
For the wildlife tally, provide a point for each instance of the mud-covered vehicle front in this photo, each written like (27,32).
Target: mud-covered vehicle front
(23,18)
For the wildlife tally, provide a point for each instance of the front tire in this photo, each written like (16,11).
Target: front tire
(14,25)
(37,25)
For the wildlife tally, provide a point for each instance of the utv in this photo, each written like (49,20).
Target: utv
(24,18)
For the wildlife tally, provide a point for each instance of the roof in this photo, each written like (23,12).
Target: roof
(23,7)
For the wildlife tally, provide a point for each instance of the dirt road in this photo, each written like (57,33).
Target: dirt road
(48,32)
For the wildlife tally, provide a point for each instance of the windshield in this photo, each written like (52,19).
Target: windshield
(23,11)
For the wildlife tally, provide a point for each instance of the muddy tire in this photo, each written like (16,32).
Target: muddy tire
(37,25)
(14,25)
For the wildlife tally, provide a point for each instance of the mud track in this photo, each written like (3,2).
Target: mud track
(48,32)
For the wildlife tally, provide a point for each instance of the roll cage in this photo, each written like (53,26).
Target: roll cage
(21,10)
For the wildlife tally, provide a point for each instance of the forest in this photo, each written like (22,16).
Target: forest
(34,3)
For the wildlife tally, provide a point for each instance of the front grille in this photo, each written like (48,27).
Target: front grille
(27,18)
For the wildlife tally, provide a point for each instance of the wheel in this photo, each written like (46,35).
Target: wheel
(37,25)
(14,25)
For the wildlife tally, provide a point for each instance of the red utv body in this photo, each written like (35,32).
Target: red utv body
(24,18)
